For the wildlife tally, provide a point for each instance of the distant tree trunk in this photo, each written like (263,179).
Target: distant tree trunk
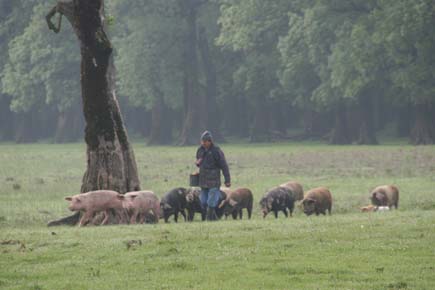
(69,125)
(214,118)
(25,131)
(261,122)
(195,120)
(161,129)
(367,133)
(7,119)
(340,134)
(403,121)
(423,131)
(110,158)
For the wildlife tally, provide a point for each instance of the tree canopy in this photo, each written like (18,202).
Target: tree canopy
(341,71)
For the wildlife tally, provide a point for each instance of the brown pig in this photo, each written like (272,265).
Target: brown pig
(140,204)
(236,201)
(93,202)
(295,188)
(385,195)
(317,201)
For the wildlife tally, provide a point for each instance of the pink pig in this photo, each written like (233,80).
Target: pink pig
(141,203)
(93,202)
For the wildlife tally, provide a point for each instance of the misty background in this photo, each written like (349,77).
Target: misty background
(340,71)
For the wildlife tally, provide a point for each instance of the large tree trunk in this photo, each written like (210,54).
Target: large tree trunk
(214,119)
(110,158)
(195,119)
(340,134)
(423,131)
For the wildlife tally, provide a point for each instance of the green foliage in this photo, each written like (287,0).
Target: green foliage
(43,68)
(309,55)
(148,40)
(406,29)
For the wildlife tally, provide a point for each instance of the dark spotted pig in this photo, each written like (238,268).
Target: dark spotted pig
(173,203)
(236,201)
(193,204)
(277,199)
(385,195)
(295,188)
(318,201)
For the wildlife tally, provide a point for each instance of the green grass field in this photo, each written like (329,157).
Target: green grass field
(348,250)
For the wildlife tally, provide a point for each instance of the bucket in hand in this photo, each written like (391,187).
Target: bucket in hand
(194,179)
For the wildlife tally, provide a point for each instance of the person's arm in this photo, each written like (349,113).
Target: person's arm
(199,156)
(224,167)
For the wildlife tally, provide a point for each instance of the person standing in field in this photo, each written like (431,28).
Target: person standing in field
(211,160)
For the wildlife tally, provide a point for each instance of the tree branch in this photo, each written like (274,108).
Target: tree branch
(64,9)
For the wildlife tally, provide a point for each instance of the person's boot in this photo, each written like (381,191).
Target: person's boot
(214,215)
(211,214)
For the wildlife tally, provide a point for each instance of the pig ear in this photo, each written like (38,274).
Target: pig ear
(120,196)
(232,202)
(133,196)
(167,206)
(222,204)
(181,192)
(68,198)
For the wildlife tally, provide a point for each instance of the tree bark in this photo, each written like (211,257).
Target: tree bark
(110,158)
(195,119)
(423,131)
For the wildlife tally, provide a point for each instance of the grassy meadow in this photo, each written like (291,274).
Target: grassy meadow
(347,250)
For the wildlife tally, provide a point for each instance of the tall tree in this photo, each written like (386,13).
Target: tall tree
(407,30)
(110,158)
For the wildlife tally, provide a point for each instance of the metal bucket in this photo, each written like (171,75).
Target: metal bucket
(194,179)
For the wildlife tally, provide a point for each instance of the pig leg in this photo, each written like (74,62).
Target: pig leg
(156,215)
(106,217)
(134,216)
(143,215)
(234,214)
(176,216)
(86,218)
(183,213)
(249,211)
(240,213)
(285,212)
(275,212)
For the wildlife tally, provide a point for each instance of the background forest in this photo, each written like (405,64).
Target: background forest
(262,70)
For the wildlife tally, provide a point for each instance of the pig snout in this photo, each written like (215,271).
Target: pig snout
(75,205)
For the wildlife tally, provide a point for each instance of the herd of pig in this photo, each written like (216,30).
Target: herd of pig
(145,206)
